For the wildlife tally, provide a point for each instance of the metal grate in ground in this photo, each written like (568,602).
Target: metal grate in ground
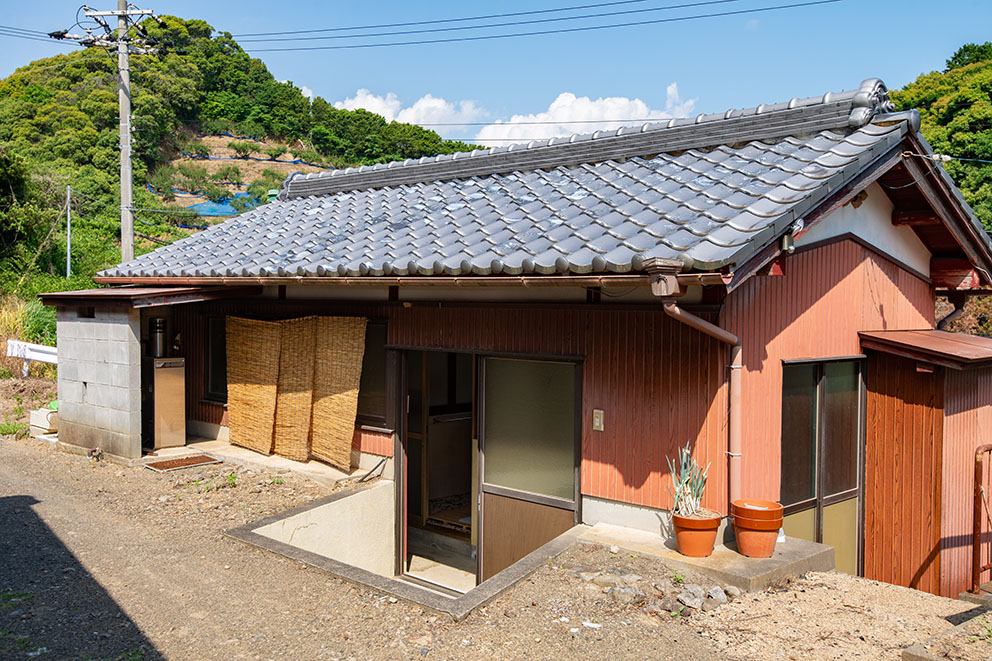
(183,462)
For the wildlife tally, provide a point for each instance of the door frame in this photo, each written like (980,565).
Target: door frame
(819,501)
(396,404)
(575,506)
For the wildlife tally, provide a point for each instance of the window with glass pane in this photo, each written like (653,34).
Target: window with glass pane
(841,406)
(798,433)
(530,426)
(372,388)
(216,372)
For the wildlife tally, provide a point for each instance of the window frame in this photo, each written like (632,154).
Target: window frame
(214,397)
(374,421)
(819,501)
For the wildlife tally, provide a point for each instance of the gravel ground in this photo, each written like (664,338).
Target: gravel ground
(108,562)
(98,561)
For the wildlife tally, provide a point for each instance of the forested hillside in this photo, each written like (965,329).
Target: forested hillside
(956,108)
(59,126)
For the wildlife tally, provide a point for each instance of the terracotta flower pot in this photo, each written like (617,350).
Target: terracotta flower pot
(756,537)
(696,537)
(760,509)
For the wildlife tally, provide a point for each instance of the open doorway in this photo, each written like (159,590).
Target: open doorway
(441,528)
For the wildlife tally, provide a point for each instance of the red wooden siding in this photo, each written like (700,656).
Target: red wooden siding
(967,424)
(815,310)
(903,461)
(658,382)
(372,442)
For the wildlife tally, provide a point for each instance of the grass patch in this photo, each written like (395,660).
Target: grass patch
(11,599)
(8,427)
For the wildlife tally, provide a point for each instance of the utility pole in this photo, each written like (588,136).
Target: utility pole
(68,231)
(124,103)
(123,40)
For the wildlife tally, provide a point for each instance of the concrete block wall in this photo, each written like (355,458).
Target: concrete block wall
(100,380)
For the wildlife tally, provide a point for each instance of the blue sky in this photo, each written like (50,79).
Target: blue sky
(715,63)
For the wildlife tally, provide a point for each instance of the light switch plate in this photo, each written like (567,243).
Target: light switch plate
(597,419)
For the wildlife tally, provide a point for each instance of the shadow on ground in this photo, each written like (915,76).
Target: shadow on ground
(50,607)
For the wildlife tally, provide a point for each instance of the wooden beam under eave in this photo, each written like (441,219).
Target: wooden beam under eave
(915,218)
(953,273)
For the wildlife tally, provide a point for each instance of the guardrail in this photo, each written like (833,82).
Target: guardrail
(29,352)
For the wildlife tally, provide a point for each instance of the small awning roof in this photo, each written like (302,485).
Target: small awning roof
(146,297)
(955,350)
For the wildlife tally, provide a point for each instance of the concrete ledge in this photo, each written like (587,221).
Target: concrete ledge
(726,566)
(457,607)
(69,448)
(918,651)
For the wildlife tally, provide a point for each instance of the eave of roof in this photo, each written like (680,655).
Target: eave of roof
(954,350)
(143,297)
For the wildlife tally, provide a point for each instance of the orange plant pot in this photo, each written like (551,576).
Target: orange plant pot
(756,537)
(772,510)
(695,537)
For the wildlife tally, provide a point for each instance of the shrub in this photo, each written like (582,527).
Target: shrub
(243,149)
(39,323)
(275,152)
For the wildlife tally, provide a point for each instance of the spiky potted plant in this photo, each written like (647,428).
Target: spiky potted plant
(695,527)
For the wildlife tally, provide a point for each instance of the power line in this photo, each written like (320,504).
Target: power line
(549,122)
(441,21)
(686,5)
(53,66)
(24,30)
(16,35)
(657,21)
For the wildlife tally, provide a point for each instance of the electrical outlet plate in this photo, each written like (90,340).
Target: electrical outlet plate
(597,419)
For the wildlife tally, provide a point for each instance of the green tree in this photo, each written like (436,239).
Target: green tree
(956,111)
(969,54)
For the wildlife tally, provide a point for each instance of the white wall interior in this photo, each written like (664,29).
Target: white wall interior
(357,530)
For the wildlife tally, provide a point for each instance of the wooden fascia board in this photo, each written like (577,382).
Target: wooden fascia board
(957,221)
(907,352)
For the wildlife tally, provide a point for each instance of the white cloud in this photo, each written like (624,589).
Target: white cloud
(428,109)
(306,91)
(569,114)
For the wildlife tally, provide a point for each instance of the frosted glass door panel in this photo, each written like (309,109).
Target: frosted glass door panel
(530,426)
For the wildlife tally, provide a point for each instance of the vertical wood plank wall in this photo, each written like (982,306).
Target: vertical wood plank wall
(967,425)
(659,382)
(903,470)
(815,310)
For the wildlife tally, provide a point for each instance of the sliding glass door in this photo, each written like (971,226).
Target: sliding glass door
(822,455)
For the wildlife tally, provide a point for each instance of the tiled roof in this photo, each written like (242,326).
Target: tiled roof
(707,191)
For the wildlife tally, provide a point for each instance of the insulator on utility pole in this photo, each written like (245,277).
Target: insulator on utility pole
(124,48)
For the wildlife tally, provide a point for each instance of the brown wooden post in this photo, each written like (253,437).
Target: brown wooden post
(976,543)
(976,522)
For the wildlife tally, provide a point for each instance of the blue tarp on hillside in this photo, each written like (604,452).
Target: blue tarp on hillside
(222,208)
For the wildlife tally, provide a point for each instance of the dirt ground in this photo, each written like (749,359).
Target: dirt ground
(98,561)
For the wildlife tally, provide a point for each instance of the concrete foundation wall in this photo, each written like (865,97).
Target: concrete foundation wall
(357,529)
(99,380)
